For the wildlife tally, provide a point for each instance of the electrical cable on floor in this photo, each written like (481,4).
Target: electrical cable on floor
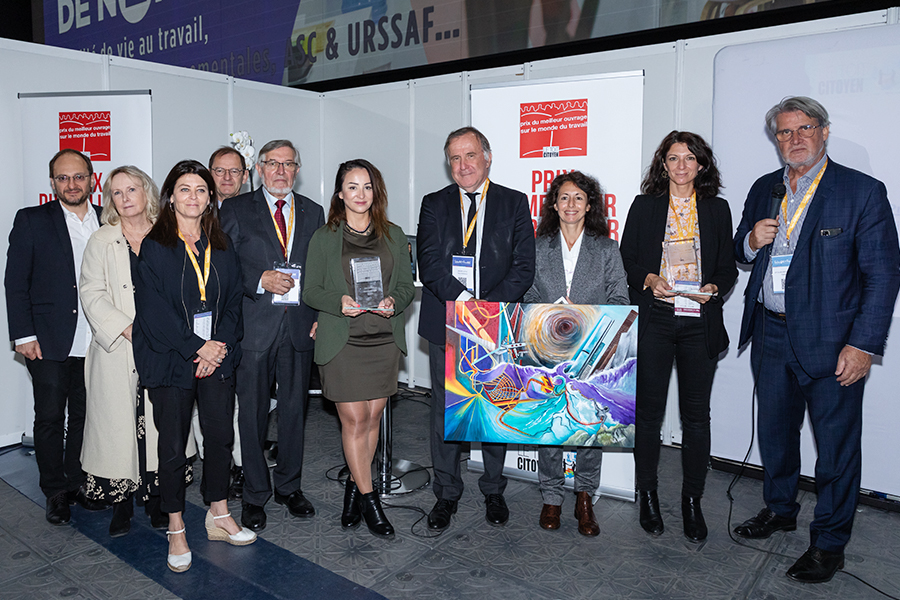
(737,477)
(408,394)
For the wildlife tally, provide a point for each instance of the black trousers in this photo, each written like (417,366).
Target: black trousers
(57,448)
(255,375)
(682,339)
(172,408)
(448,484)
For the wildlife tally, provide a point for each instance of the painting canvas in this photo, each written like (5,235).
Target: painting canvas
(542,374)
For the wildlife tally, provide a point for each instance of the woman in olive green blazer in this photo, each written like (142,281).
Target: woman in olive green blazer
(358,347)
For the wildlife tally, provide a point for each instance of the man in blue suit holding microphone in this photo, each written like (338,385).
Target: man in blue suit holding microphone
(826,271)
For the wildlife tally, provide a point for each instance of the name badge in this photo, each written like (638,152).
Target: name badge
(463,270)
(203,324)
(780,266)
(292,297)
(685,307)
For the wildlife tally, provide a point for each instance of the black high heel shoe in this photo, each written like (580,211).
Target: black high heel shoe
(158,519)
(651,518)
(351,516)
(694,523)
(121,518)
(370,506)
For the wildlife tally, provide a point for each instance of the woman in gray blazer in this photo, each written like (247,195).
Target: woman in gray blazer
(577,263)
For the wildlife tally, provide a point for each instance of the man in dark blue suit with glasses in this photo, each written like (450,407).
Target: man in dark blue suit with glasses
(826,271)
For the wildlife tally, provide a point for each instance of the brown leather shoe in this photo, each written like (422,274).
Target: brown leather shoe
(584,512)
(550,516)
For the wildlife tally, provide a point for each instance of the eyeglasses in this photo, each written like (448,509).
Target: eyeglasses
(804,131)
(272,165)
(79,178)
(220,172)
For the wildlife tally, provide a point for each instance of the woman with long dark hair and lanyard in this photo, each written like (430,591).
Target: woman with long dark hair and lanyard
(187,331)
(677,252)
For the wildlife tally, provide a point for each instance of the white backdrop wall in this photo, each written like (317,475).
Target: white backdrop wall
(401,127)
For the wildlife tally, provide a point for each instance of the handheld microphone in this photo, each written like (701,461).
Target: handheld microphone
(778,192)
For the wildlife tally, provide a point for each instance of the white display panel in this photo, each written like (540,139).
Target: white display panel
(854,74)
(543,128)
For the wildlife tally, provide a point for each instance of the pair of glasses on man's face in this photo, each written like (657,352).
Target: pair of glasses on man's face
(804,131)
(63,179)
(220,172)
(272,165)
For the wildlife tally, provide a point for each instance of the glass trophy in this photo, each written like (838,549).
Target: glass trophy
(683,270)
(367,286)
(682,258)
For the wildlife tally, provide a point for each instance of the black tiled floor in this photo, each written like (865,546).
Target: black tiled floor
(471,559)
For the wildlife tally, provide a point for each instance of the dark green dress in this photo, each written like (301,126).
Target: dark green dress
(367,367)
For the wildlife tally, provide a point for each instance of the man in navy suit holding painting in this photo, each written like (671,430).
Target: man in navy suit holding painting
(818,305)
(475,240)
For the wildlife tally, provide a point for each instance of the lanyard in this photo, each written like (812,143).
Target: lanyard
(202,278)
(290,228)
(462,207)
(806,198)
(684,229)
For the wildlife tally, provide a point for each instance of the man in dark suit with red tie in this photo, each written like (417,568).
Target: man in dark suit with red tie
(483,232)
(826,270)
(270,229)
(49,329)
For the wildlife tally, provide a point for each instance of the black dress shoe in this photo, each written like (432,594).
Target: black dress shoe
(764,524)
(58,512)
(694,523)
(236,490)
(439,517)
(78,496)
(297,504)
(370,506)
(121,518)
(651,518)
(158,519)
(816,566)
(253,517)
(351,515)
(496,512)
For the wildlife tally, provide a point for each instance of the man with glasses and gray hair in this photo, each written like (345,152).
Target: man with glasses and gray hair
(270,229)
(48,327)
(826,270)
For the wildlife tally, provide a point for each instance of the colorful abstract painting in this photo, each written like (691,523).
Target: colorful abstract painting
(543,374)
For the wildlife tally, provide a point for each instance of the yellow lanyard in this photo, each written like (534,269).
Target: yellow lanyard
(462,207)
(202,278)
(806,198)
(684,229)
(290,228)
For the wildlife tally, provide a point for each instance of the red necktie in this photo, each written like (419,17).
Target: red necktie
(279,220)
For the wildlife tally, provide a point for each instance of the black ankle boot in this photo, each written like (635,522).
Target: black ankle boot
(694,523)
(651,518)
(351,516)
(121,518)
(370,506)
(158,519)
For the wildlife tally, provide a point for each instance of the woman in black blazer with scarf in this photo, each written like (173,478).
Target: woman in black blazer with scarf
(680,200)
(187,332)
